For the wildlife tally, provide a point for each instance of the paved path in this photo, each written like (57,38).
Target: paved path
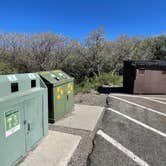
(131,134)
(56,148)
(69,141)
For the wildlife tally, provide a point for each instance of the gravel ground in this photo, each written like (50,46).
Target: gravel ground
(93,98)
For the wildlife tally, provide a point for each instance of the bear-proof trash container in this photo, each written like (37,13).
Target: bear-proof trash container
(60,93)
(23,115)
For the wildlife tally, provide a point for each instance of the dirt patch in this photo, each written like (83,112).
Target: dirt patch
(93,98)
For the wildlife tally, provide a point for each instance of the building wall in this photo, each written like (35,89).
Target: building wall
(150,82)
(128,77)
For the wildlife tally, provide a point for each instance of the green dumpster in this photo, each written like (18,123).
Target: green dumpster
(23,115)
(60,93)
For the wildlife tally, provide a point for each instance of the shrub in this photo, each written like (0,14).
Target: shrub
(93,83)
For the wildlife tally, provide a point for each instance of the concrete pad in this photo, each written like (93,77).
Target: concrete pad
(84,117)
(54,150)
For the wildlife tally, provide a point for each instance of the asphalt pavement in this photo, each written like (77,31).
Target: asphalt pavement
(131,134)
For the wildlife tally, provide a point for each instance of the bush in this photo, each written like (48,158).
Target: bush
(6,68)
(93,83)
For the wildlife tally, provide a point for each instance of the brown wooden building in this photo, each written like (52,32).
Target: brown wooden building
(144,77)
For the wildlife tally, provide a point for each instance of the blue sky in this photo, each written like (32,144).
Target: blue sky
(76,18)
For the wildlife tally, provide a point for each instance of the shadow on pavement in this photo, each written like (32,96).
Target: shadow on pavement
(107,89)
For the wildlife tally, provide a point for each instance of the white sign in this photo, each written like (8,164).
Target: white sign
(12,121)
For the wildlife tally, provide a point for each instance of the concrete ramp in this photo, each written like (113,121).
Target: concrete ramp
(84,117)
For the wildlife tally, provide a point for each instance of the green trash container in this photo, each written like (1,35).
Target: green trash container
(23,115)
(60,93)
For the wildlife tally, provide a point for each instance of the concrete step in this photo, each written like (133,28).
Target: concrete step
(84,117)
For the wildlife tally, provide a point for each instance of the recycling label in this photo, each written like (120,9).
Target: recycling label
(12,121)
(59,91)
(69,88)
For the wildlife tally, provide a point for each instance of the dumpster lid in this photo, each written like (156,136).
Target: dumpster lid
(19,83)
(56,77)
(12,78)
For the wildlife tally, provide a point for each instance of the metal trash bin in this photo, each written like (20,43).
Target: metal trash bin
(60,93)
(23,115)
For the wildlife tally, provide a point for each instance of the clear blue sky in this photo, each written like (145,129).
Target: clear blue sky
(76,18)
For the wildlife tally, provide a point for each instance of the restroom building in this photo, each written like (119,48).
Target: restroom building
(144,77)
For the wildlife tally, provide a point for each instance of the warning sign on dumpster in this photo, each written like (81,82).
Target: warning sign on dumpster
(12,121)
